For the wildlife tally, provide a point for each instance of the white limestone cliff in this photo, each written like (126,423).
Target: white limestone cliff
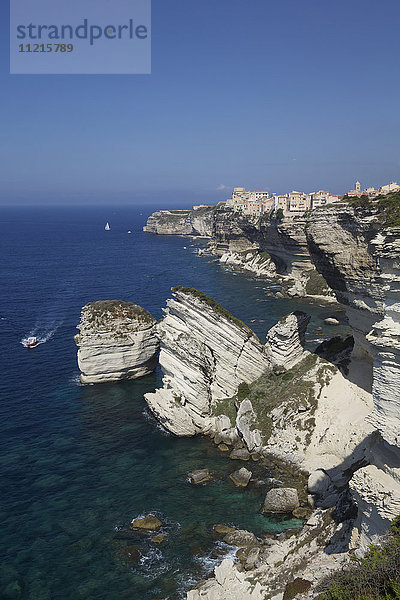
(205,354)
(267,248)
(361,262)
(342,426)
(117,340)
(259,263)
(347,433)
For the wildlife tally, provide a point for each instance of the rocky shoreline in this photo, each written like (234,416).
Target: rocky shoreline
(266,248)
(333,414)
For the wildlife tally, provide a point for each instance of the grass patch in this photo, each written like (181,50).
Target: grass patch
(295,587)
(316,284)
(293,389)
(214,305)
(100,313)
(387,207)
(225,407)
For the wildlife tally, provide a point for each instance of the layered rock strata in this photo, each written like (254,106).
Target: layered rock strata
(117,340)
(197,222)
(361,262)
(259,263)
(362,265)
(205,354)
(342,426)
(285,341)
(267,248)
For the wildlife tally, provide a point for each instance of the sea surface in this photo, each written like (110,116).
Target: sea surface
(78,463)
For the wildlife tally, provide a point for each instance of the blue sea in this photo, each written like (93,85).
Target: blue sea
(78,463)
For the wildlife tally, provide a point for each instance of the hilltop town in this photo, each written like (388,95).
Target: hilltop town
(257,202)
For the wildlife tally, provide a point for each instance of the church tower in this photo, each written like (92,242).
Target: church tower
(358,186)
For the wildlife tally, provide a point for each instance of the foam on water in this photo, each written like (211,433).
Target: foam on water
(43,331)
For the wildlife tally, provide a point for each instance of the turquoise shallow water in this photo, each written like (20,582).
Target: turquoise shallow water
(77,463)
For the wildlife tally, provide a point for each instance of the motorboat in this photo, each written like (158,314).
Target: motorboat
(30,342)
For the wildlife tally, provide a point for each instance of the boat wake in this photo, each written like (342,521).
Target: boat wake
(42,333)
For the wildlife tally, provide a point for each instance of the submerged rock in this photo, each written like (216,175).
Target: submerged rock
(281,500)
(149,523)
(200,476)
(117,340)
(240,454)
(223,529)
(132,554)
(331,321)
(241,477)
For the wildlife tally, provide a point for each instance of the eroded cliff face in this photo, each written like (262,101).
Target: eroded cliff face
(197,222)
(362,265)
(205,354)
(266,248)
(341,425)
(117,340)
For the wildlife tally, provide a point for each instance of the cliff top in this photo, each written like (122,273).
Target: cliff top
(387,208)
(212,304)
(102,311)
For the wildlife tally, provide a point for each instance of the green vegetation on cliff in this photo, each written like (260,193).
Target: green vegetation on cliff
(293,389)
(388,207)
(316,284)
(214,305)
(374,577)
(102,311)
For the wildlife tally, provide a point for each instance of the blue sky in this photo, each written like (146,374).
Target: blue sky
(295,94)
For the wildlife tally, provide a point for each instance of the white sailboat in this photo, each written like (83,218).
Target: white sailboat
(107,227)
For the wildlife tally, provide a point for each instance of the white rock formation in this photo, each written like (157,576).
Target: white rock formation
(279,563)
(228,584)
(205,355)
(170,222)
(246,425)
(362,266)
(285,341)
(281,500)
(377,494)
(384,338)
(259,263)
(117,340)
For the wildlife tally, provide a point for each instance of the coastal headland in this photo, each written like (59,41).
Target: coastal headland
(333,414)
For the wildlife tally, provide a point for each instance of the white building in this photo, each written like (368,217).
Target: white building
(389,187)
(298,202)
(322,197)
(371,192)
(250,202)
